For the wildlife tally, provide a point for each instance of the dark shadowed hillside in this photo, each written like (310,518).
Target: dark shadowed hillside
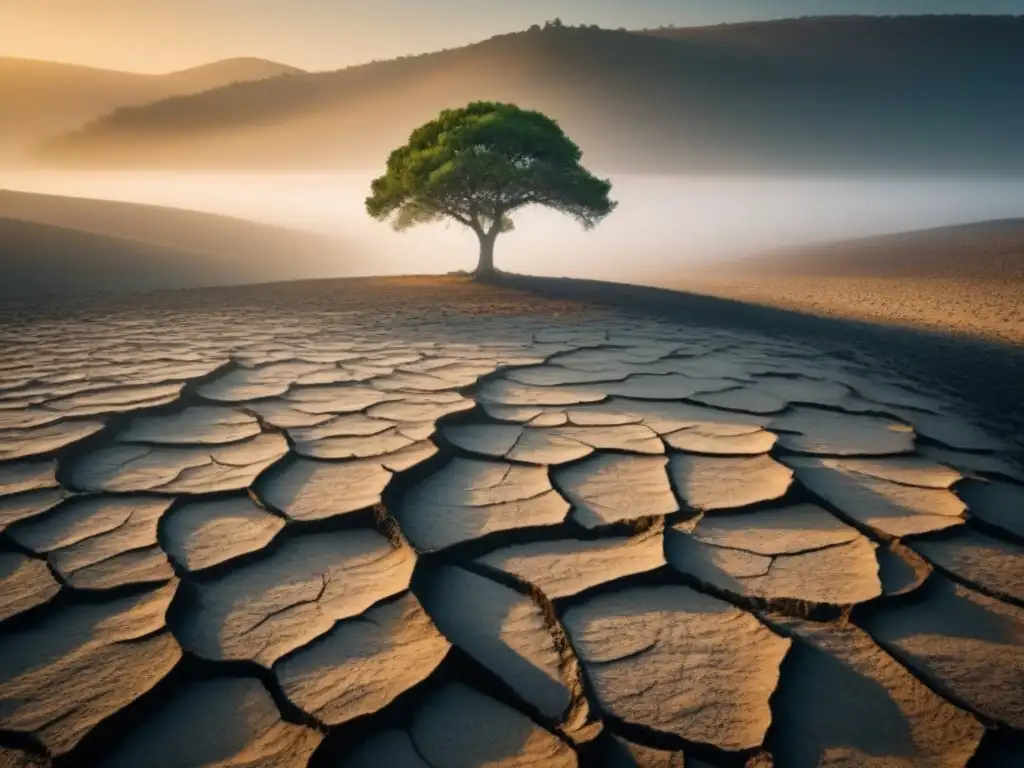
(38,260)
(941,93)
(51,244)
(44,98)
(864,40)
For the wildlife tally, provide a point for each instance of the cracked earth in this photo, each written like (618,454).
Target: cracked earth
(434,524)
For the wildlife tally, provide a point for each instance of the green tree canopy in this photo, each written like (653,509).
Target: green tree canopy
(481,164)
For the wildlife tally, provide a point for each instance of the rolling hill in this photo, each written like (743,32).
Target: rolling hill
(988,250)
(39,260)
(225,72)
(57,245)
(44,98)
(885,94)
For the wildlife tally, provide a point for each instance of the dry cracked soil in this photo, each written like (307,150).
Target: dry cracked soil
(430,523)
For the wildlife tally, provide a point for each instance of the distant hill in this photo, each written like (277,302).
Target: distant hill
(867,40)
(226,71)
(45,98)
(990,250)
(52,244)
(886,94)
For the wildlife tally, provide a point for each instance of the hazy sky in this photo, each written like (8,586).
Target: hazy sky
(161,35)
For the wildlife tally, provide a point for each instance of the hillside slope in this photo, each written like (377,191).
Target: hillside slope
(938,94)
(38,260)
(224,72)
(44,98)
(989,250)
(64,244)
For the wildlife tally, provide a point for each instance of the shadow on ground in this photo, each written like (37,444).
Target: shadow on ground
(987,376)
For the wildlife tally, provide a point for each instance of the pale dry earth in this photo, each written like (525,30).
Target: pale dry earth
(977,307)
(426,522)
(965,280)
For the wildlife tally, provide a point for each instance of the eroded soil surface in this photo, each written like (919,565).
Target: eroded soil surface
(430,523)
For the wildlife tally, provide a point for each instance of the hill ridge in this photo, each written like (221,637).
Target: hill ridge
(44,98)
(940,93)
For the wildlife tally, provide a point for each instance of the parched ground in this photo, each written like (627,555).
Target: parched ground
(965,280)
(981,308)
(428,522)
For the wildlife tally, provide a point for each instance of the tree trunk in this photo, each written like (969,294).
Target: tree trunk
(485,267)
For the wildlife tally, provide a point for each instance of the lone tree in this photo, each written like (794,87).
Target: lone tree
(480,164)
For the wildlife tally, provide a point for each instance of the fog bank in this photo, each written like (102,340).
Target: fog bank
(663,223)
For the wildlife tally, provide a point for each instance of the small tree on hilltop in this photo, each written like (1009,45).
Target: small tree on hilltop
(481,164)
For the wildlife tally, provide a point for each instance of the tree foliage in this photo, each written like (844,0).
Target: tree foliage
(479,165)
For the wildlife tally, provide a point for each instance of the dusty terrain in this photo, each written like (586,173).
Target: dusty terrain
(964,280)
(988,309)
(426,522)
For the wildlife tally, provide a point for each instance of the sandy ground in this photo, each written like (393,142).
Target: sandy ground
(966,280)
(988,309)
(438,297)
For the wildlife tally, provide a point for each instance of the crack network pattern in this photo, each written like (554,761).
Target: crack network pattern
(511,533)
